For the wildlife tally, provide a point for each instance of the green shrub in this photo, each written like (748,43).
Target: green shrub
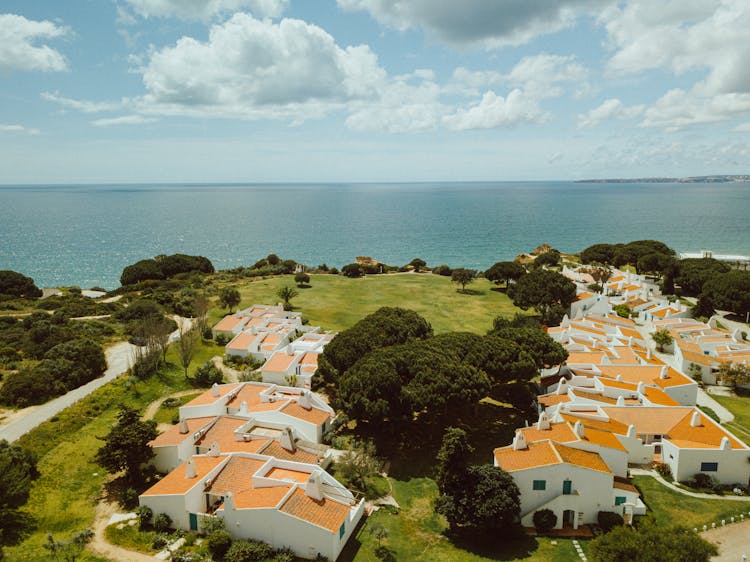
(160,542)
(248,551)
(608,520)
(162,523)
(544,520)
(218,544)
(144,514)
(665,472)
(284,555)
(221,340)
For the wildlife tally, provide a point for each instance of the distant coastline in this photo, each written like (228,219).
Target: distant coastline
(692,179)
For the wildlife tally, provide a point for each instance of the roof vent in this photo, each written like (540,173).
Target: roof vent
(578,429)
(215,390)
(725,444)
(543,422)
(695,421)
(519,442)
(184,427)
(618,378)
(620,400)
(214,450)
(190,469)
(243,407)
(664,371)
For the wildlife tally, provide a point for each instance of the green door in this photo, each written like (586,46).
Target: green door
(193,521)
(567,487)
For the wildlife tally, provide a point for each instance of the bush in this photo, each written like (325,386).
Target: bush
(218,544)
(129,498)
(207,333)
(622,310)
(608,520)
(544,520)
(144,514)
(333,271)
(284,555)
(221,340)
(443,270)
(665,472)
(704,481)
(160,542)
(162,523)
(207,374)
(248,551)
(352,270)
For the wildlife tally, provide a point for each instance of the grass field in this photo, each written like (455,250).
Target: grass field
(63,499)
(739,406)
(416,533)
(672,508)
(335,302)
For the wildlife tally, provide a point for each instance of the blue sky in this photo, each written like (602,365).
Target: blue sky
(371,90)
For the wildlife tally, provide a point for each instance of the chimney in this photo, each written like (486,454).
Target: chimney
(725,444)
(190,469)
(648,353)
(578,429)
(620,400)
(631,431)
(229,502)
(562,386)
(663,373)
(641,388)
(243,408)
(519,442)
(214,450)
(287,439)
(184,427)
(313,488)
(304,400)
(215,390)
(543,422)
(618,378)
(695,421)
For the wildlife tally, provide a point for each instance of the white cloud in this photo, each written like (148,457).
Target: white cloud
(204,10)
(18,48)
(742,128)
(490,23)
(253,69)
(123,120)
(540,75)
(494,111)
(609,109)
(18,129)
(709,37)
(83,106)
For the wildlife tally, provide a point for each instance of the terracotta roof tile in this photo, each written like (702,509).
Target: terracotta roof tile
(274,449)
(585,459)
(313,415)
(176,482)
(229,323)
(279,362)
(324,513)
(242,341)
(208,397)
(172,436)
(236,476)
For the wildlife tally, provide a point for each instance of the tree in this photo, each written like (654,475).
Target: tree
(704,308)
(218,543)
(549,258)
(19,470)
(547,291)
(692,273)
(352,270)
(301,278)
(695,371)
(357,465)
(201,305)
(463,277)
(452,460)
(17,285)
(229,298)
(654,263)
(486,499)
(206,375)
(622,310)
(418,264)
(734,374)
(650,543)
(538,345)
(662,338)
(69,551)
(601,275)
(730,291)
(545,520)
(287,294)
(607,520)
(186,345)
(505,272)
(126,446)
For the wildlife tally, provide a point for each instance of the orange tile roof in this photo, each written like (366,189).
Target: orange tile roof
(309,358)
(553,399)
(657,396)
(261,497)
(652,420)
(313,415)
(176,483)
(611,425)
(242,341)
(708,434)
(583,296)
(557,432)
(236,476)
(250,393)
(172,436)
(208,397)
(585,459)
(594,396)
(274,449)
(537,454)
(625,486)
(324,513)
(618,384)
(602,438)
(279,362)
(228,323)
(222,432)
(585,357)
(278,473)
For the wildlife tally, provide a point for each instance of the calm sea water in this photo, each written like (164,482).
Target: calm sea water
(85,235)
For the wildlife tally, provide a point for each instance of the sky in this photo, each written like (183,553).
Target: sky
(123,91)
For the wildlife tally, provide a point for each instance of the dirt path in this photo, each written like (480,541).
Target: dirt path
(231,375)
(151,409)
(733,541)
(99,544)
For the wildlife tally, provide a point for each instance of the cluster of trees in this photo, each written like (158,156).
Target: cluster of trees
(19,470)
(549,292)
(126,445)
(64,367)
(473,498)
(647,256)
(390,366)
(14,284)
(164,267)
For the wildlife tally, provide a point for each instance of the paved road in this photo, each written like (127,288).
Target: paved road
(655,475)
(119,357)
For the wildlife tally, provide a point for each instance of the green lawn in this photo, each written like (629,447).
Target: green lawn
(167,415)
(416,533)
(673,508)
(63,499)
(740,406)
(335,302)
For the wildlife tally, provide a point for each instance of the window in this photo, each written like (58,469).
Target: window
(619,500)
(539,485)
(342,530)
(709,466)
(567,487)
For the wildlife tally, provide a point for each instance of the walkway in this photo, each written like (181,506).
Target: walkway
(151,409)
(671,486)
(119,357)
(99,544)
(733,541)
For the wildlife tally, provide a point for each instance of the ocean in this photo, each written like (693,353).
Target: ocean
(84,234)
